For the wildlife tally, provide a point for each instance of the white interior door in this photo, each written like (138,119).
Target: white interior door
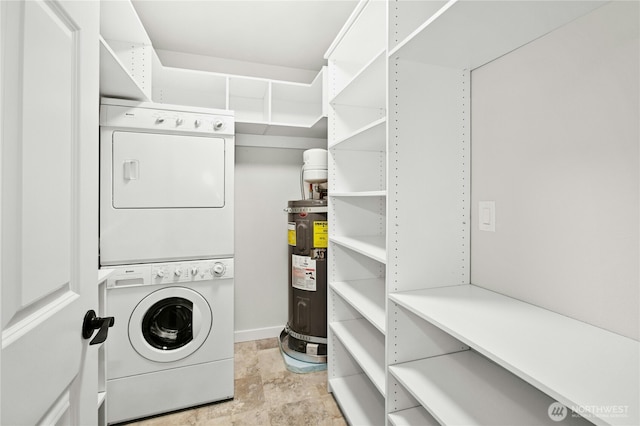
(50,68)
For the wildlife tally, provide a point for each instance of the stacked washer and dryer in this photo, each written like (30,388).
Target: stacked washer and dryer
(166,228)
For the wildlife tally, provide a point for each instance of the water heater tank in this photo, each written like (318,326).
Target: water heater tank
(305,337)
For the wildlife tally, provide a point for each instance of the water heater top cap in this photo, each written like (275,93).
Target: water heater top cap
(314,166)
(315,158)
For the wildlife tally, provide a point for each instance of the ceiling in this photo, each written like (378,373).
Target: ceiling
(287,33)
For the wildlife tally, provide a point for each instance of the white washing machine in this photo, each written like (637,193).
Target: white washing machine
(166,183)
(171,346)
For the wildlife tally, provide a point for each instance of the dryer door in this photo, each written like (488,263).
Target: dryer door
(170,324)
(167,171)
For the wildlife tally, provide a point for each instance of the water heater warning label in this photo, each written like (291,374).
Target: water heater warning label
(291,233)
(320,234)
(303,273)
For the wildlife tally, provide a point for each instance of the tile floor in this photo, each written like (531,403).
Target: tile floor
(266,393)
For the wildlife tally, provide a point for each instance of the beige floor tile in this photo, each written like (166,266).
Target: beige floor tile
(299,413)
(251,418)
(288,387)
(270,363)
(246,364)
(267,344)
(266,393)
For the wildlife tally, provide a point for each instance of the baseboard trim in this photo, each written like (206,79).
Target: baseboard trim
(257,333)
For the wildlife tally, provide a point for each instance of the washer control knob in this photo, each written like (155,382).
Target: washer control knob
(179,121)
(197,123)
(218,269)
(159,120)
(218,125)
(194,271)
(178,272)
(160,273)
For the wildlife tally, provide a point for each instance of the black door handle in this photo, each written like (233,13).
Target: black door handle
(93,322)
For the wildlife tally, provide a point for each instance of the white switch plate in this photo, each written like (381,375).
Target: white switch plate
(487,216)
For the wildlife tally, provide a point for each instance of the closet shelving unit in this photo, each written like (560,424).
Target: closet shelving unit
(261,106)
(357,211)
(399,204)
(453,349)
(125,53)
(131,69)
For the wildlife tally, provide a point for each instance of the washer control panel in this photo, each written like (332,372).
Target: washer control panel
(171,272)
(199,270)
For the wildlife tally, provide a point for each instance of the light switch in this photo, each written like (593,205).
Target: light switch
(487,216)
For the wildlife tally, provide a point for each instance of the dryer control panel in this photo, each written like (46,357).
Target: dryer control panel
(166,120)
(171,272)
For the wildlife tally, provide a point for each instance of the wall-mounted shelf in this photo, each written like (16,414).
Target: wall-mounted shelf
(411,417)
(188,87)
(370,246)
(125,53)
(366,345)
(130,69)
(360,194)
(468,34)
(562,357)
(359,400)
(406,16)
(367,296)
(298,105)
(477,384)
(356,93)
(119,21)
(115,79)
(316,130)
(370,137)
(362,89)
(399,202)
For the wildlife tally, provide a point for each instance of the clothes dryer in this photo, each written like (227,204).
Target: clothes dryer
(171,346)
(166,183)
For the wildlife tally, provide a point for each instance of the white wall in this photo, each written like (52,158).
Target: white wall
(265,179)
(230,66)
(555,134)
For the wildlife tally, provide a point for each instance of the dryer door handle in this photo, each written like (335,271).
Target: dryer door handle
(92,322)
(131,169)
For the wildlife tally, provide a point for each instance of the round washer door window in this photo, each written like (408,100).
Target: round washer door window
(170,324)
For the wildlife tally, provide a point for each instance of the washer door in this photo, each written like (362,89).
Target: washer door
(170,324)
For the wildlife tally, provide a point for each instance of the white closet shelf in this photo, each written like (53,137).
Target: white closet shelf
(381,193)
(367,297)
(370,246)
(412,417)
(367,87)
(366,346)
(361,36)
(371,137)
(580,365)
(119,21)
(316,129)
(468,34)
(485,394)
(359,400)
(115,81)
(190,80)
